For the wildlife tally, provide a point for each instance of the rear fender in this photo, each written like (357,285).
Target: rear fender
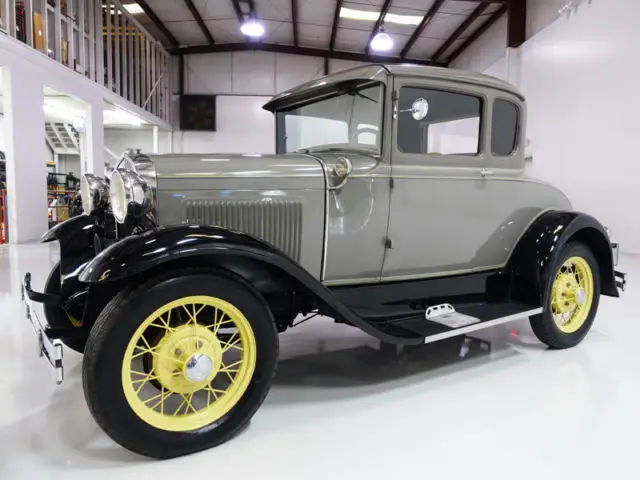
(539,247)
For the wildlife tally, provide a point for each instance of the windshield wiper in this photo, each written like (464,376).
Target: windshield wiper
(353,92)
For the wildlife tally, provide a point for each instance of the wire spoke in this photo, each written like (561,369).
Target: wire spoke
(144,351)
(228,368)
(142,381)
(229,344)
(184,307)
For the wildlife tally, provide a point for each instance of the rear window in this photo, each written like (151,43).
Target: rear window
(505,127)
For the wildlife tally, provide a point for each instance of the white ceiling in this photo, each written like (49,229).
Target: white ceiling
(315,19)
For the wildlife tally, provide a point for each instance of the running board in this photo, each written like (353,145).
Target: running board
(480,325)
(444,321)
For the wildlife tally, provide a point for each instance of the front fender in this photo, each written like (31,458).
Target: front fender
(76,235)
(539,247)
(167,245)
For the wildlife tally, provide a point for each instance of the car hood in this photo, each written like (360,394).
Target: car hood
(238,166)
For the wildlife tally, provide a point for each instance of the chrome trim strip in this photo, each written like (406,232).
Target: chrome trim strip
(399,278)
(481,325)
(615,251)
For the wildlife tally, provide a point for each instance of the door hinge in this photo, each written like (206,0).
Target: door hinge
(387,243)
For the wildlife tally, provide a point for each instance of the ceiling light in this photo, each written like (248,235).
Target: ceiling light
(372,16)
(133,8)
(252,28)
(382,42)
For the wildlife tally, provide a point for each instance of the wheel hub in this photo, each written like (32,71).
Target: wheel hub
(188,358)
(198,367)
(567,293)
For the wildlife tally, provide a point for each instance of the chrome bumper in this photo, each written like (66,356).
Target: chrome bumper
(620,277)
(47,347)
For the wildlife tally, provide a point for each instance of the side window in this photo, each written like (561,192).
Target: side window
(505,126)
(437,122)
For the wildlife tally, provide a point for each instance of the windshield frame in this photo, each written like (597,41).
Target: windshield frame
(332,91)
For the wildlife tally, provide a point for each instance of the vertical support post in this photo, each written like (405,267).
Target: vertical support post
(124,56)
(138,68)
(91,22)
(156,142)
(23,94)
(116,46)
(108,39)
(94,138)
(57,33)
(99,44)
(516,23)
(170,142)
(82,50)
(154,76)
(131,61)
(181,69)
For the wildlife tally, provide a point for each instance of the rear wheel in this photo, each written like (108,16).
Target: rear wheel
(180,364)
(572,295)
(56,316)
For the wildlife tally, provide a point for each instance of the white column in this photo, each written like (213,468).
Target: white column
(93,161)
(156,145)
(170,142)
(514,66)
(26,153)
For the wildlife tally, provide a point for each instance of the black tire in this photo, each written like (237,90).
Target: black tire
(543,325)
(56,316)
(113,330)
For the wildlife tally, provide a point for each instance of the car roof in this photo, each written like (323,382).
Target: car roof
(377,71)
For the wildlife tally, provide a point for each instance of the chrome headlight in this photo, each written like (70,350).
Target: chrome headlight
(94,192)
(129,194)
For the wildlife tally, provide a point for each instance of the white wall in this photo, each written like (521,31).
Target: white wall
(579,75)
(243,82)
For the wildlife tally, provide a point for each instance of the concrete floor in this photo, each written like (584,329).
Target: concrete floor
(494,406)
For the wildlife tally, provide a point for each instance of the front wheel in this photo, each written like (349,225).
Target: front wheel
(181,363)
(571,297)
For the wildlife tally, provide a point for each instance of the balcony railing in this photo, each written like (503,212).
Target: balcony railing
(98,39)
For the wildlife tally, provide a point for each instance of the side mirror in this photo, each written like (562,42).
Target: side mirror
(419,109)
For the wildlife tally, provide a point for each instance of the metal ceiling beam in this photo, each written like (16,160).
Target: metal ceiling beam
(334,26)
(379,22)
(294,21)
(517,23)
(293,50)
(479,10)
(426,20)
(198,18)
(157,22)
(478,33)
(482,1)
(238,10)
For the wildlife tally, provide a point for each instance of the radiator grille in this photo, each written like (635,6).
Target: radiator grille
(276,221)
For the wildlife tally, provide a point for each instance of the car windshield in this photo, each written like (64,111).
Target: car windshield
(348,118)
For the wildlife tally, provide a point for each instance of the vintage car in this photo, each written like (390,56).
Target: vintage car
(396,203)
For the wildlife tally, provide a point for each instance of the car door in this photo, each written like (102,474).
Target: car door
(438,224)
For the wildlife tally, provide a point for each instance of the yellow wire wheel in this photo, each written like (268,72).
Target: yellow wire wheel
(572,294)
(203,356)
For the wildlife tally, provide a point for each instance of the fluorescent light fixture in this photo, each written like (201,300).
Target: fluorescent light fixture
(372,16)
(252,28)
(118,116)
(132,8)
(382,42)
(61,113)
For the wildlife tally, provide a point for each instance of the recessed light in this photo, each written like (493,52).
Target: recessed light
(382,42)
(252,28)
(372,16)
(133,8)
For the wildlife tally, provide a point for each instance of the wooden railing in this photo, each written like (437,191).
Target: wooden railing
(98,39)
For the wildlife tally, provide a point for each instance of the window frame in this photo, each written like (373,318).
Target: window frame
(519,127)
(427,159)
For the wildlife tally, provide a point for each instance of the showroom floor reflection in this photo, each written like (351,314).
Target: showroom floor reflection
(344,406)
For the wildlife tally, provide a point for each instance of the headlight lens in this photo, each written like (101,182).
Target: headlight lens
(95,193)
(129,195)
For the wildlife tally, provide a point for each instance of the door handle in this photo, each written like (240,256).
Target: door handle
(486,171)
